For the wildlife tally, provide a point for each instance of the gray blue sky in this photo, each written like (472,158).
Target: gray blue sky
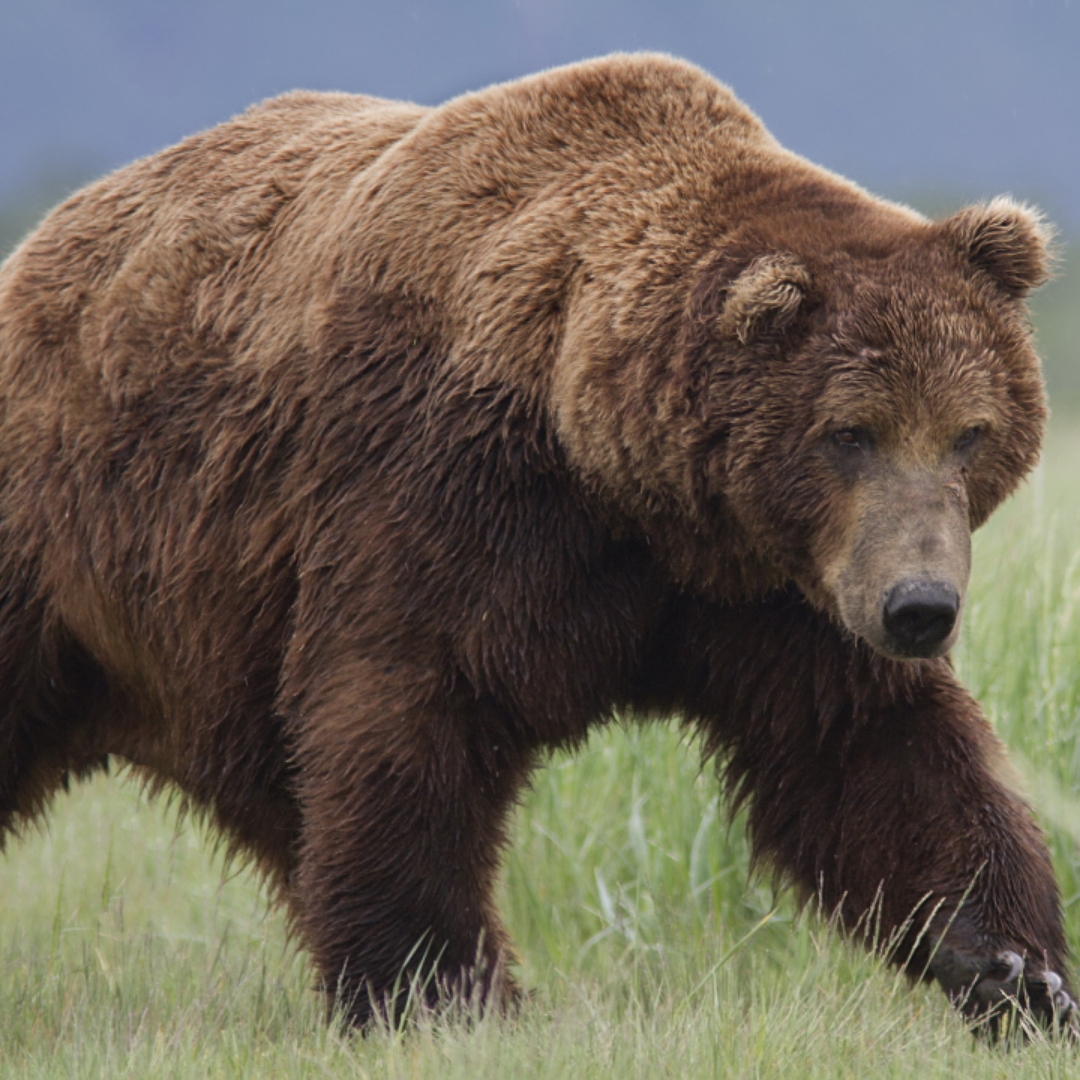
(928,100)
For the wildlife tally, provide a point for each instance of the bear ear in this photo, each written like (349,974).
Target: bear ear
(764,298)
(1006,240)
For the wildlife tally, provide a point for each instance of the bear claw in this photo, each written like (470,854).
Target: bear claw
(1016,967)
(984,990)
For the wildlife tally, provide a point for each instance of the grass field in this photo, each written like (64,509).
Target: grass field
(127,949)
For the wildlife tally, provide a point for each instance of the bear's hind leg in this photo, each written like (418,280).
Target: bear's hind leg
(52,693)
(404,784)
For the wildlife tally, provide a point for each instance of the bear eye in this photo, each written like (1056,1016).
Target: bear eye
(854,439)
(967,438)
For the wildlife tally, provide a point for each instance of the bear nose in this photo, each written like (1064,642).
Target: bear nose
(920,615)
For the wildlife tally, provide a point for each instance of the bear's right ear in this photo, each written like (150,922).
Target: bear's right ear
(1006,240)
(765,297)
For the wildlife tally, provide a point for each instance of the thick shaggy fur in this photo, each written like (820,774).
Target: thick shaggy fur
(355,454)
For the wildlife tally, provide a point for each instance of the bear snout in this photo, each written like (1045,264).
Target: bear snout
(919,616)
(899,575)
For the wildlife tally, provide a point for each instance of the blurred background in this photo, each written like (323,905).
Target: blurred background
(932,102)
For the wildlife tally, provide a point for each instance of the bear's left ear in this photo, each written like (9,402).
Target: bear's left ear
(765,297)
(1006,240)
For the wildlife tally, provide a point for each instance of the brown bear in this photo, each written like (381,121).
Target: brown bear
(355,454)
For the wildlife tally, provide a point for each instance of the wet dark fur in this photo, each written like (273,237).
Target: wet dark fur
(355,455)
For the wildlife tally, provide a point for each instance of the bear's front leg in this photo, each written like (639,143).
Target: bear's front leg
(878,787)
(405,780)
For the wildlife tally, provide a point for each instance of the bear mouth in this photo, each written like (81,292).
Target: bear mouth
(912,619)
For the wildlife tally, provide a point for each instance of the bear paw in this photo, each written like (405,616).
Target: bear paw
(998,992)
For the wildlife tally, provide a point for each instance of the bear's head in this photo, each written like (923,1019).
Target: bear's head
(872,407)
(851,390)
(768,374)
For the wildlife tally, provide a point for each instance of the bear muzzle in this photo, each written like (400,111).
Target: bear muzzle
(898,582)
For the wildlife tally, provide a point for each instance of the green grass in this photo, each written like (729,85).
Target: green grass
(127,949)
(1056,311)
